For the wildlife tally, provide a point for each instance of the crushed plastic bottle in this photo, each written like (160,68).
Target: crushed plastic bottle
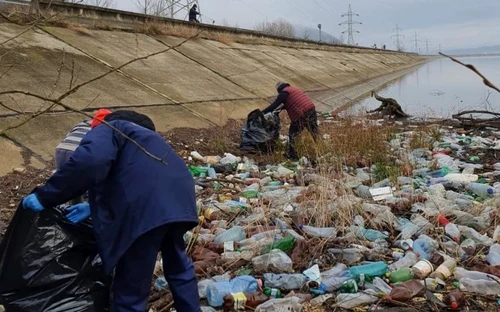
(275,260)
(482,190)
(241,284)
(349,301)
(485,287)
(284,281)
(348,255)
(454,300)
(278,305)
(326,232)
(409,260)
(406,291)
(493,256)
(234,234)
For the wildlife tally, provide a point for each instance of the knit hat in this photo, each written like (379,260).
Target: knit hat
(99,117)
(132,116)
(278,85)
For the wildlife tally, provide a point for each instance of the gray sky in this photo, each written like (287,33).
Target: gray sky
(453,23)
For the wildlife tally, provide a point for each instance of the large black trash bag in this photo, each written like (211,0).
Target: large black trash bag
(261,132)
(50,264)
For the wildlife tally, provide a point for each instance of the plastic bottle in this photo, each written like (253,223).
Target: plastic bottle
(348,255)
(439,173)
(454,300)
(217,291)
(284,304)
(275,259)
(421,248)
(234,234)
(468,246)
(369,271)
(285,244)
(401,275)
(496,235)
(272,292)
(242,301)
(493,256)
(349,301)
(326,232)
(475,235)
(369,234)
(381,285)
(461,177)
(409,260)
(445,270)
(482,190)
(363,191)
(461,273)
(161,283)
(279,223)
(489,287)
(406,291)
(449,228)
(349,287)
(422,269)
(284,281)
(213,214)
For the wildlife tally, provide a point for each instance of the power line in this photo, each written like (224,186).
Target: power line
(300,11)
(398,36)
(251,7)
(416,41)
(350,31)
(427,44)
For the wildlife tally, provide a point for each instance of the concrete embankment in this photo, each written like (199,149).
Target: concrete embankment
(202,82)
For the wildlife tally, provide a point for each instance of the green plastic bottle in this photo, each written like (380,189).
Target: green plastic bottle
(272,292)
(401,275)
(349,287)
(285,244)
(197,171)
(367,272)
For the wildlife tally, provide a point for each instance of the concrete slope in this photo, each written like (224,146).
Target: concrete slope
(200,83)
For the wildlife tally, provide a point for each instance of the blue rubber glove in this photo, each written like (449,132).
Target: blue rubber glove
(32,202)
(78,213)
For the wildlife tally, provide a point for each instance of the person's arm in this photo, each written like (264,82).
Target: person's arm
(282,96)
(89,165)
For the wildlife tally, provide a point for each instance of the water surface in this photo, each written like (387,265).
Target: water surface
(440,88)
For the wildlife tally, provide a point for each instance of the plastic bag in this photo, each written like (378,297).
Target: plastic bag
(261,132)
(50,264)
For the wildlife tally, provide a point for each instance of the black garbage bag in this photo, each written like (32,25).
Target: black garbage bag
(261,132)
(49,264)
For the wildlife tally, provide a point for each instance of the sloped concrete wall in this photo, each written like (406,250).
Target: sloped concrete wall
(198,84)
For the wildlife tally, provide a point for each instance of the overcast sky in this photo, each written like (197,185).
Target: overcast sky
(455,24)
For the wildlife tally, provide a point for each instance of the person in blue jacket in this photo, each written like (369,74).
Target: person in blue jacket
(139,206)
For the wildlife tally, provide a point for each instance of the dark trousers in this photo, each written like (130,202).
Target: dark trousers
(308,121)
(62,156)
(132,283)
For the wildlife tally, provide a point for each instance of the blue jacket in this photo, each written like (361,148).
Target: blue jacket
(130,193)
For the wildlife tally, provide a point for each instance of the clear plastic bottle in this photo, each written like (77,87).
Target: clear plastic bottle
(326,232)
(284,281)
(275,259)
(217,291)
(468,246)
(279,223)
(461,273)
(349,301)
(493,256)
(348,255)
(381,285)
(409,260)
(483,287)
(482,190)
(234,234)
(283,304)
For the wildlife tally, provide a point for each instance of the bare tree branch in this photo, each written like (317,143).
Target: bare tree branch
(471,67)
(10,108)
(58,101)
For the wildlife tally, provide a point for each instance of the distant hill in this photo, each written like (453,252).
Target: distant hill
(480,50)
(310,33)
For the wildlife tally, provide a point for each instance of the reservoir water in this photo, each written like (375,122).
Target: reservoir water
(441,87)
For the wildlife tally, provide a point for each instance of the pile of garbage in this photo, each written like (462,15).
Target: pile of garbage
(298,238)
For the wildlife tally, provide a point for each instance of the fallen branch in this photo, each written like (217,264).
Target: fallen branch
(471,67)
(466,118)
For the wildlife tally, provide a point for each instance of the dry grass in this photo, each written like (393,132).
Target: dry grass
(153,28)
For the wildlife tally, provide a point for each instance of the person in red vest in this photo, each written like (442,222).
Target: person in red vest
(301,111)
